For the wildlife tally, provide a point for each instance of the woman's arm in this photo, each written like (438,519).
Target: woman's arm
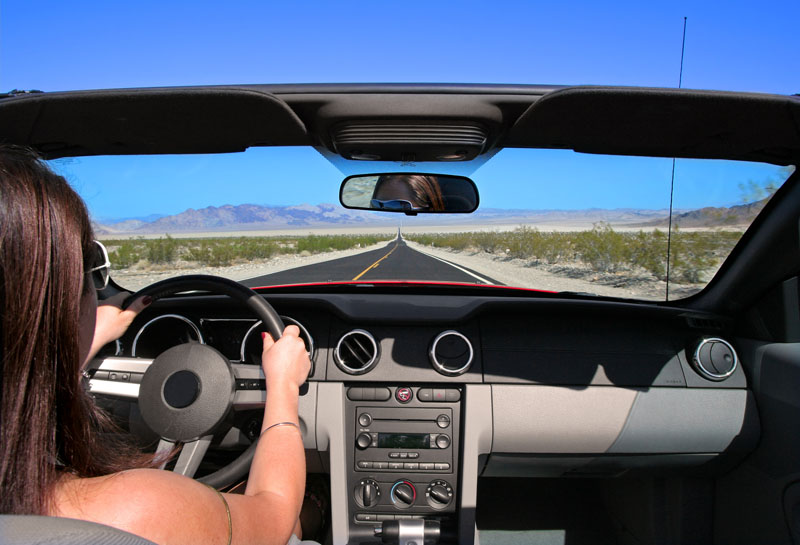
(112,322)
(170,509)
(278,472)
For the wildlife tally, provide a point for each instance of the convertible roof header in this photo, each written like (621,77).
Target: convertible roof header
(609,120)
(664,123)
(148,121)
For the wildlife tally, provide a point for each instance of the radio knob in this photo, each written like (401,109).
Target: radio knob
(443,440)
(367,493)
(363,440)
(364,420)
(403,494)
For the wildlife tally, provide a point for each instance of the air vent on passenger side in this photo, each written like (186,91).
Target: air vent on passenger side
(451,353)
(412,141)
(714,358)
(356,352)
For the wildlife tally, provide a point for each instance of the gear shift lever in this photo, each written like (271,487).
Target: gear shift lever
(409,532)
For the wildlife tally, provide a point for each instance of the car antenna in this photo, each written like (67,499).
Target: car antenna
(672,179)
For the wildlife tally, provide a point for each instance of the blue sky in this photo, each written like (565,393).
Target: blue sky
(52,46)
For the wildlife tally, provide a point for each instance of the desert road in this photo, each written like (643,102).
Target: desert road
(396,261)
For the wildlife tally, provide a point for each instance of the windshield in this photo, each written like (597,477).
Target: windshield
(551,220)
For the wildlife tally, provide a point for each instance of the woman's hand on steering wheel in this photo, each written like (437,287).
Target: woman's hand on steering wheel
(285,362)
(112,321)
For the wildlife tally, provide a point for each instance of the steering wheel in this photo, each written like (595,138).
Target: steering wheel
(188,390)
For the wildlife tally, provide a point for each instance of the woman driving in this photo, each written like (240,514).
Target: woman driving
(55,457)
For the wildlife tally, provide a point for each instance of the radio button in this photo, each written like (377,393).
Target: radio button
(413,454)
(442,421)
(383,394)
(367,394)
(442,440)
(394,455)
(355,394)
(426,466)
(380,465)
(425,394)
(451,394)
(411,465)
(442,467)
(403,455)
(362,464)
(404,394)
(395,465)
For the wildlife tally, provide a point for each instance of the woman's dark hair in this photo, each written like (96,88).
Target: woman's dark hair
(426,189)
(48,422)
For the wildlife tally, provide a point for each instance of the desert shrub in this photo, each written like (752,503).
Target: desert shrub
(691,255)
(161,250)
(603,248)
(256,248)
(124,255)
(649,251)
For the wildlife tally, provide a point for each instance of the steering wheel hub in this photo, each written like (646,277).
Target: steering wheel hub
(181,389)
(186,392)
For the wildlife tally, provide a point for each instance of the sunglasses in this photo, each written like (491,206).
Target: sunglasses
(394,204)
(100,267)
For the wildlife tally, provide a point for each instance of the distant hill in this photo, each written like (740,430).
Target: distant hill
(732,216)
(244,217)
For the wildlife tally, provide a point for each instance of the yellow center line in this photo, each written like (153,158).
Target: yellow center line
(375,264)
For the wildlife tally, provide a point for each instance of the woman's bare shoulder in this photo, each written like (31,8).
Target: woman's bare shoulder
(161,506)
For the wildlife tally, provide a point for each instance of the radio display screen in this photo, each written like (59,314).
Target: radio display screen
(404,440)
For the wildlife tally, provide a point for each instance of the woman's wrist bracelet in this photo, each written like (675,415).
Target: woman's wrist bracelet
(265,430)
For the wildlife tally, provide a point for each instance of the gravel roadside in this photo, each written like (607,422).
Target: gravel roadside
(572,277)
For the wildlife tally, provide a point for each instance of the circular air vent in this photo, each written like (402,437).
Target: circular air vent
(356,352)
(715,359)
(451,353)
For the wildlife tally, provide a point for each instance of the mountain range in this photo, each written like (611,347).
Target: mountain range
(246,217)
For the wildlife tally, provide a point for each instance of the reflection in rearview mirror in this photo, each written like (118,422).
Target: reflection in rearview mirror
(409,193)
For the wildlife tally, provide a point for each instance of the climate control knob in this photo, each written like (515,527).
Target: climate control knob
(367,493)
(439,494)
(403,494)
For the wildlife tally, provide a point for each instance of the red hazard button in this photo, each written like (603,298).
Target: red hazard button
(403,395)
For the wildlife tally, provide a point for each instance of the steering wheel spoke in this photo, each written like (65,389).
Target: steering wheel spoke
(250,392)
(118,376)
(164,447)
(191,455)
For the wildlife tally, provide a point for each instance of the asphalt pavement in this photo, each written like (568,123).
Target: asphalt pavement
(396,261)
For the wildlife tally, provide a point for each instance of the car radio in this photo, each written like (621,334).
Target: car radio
(402,454)
(408,439)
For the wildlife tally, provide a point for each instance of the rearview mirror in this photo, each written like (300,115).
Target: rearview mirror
(409,193)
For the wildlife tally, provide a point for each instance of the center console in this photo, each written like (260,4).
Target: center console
(402,447)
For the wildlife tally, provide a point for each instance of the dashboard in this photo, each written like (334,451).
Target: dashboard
(413,397)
